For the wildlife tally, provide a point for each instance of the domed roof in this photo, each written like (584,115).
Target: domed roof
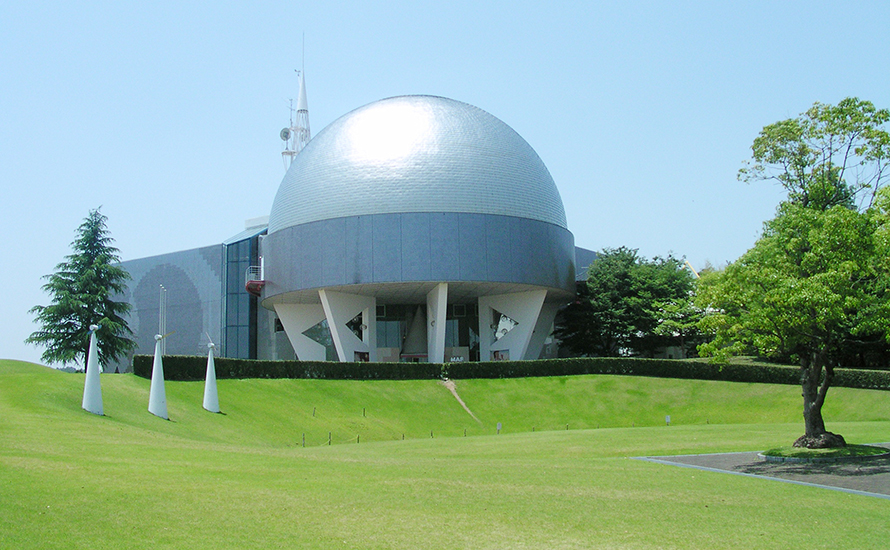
(416,154)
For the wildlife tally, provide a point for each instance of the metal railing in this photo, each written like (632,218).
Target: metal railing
(253,273)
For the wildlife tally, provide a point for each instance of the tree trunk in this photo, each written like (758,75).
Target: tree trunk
(814,388)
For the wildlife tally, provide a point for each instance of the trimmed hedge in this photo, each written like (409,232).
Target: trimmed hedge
(192,368)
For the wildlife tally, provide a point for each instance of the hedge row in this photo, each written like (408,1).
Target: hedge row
(190,368)
(663,368)
(184,368)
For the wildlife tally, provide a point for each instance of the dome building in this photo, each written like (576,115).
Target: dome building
(417,228)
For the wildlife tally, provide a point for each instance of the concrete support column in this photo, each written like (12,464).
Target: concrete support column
(297,319)
(524,308)
(543,328)
(339,309)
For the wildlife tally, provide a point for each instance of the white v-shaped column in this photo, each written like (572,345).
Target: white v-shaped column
(297,319)
(522,307)
(339,309)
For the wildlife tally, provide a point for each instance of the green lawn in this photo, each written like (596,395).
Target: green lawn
(70,479)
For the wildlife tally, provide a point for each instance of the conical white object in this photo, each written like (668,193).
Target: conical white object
(211,398)
(92,389)
(415,340)
(157,397)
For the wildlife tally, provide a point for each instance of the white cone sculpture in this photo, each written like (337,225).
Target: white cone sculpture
(92,389)
(211,398)
(157,398)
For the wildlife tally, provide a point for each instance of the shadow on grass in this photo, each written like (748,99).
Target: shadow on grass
(862,467)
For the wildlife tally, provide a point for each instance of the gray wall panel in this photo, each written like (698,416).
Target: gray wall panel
(500,262)
(193,279)
(445,246)
(415,253)
(525,247)
(334,255)
(472,247)
(285,262)
(387,246)
(314,239)
(419,247)
(359,251)
(563,257)
(583,259)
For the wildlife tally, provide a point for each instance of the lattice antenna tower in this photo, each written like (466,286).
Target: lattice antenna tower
(297,134)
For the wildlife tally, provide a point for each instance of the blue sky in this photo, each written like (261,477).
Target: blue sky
(167,113)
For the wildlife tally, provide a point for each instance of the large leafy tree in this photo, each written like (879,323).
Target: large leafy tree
(811,290)
(828,156)
(576,324)
(624,301)
(814,288)
(679,323)
(81,291)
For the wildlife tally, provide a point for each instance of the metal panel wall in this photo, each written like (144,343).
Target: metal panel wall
(193,281)
(419,247)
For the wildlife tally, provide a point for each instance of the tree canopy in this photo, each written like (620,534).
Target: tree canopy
(830,155)
(81,292)
(626,298)
(815,282)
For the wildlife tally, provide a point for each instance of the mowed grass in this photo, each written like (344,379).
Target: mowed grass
(70,479)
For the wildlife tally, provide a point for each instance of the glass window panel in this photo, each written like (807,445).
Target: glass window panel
(244,310)
(232,311)
(474,337)
(381,334)
(451,333)
(231,341)
(243,342)
(321,333)
(395,334)
(242,269)
(233,278)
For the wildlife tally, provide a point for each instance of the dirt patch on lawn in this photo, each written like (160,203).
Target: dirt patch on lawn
(448,383)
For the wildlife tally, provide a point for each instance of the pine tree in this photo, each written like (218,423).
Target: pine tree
(81,290)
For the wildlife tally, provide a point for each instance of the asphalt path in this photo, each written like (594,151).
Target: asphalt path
(868,476)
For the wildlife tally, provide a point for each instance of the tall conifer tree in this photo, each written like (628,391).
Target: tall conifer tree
(81,291)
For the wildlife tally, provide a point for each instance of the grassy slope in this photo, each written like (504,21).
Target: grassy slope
(69,479)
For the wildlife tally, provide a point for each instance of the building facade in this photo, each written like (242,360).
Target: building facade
(415,228)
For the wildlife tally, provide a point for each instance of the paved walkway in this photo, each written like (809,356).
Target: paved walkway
(870,477)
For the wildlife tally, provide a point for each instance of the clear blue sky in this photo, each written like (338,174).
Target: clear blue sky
(167,113)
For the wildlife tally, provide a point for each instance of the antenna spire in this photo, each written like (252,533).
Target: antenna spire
(297,134)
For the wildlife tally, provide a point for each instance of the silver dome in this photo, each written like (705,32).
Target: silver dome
(416,154)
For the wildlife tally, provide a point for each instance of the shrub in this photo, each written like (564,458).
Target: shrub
(186,367)
(190,368)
